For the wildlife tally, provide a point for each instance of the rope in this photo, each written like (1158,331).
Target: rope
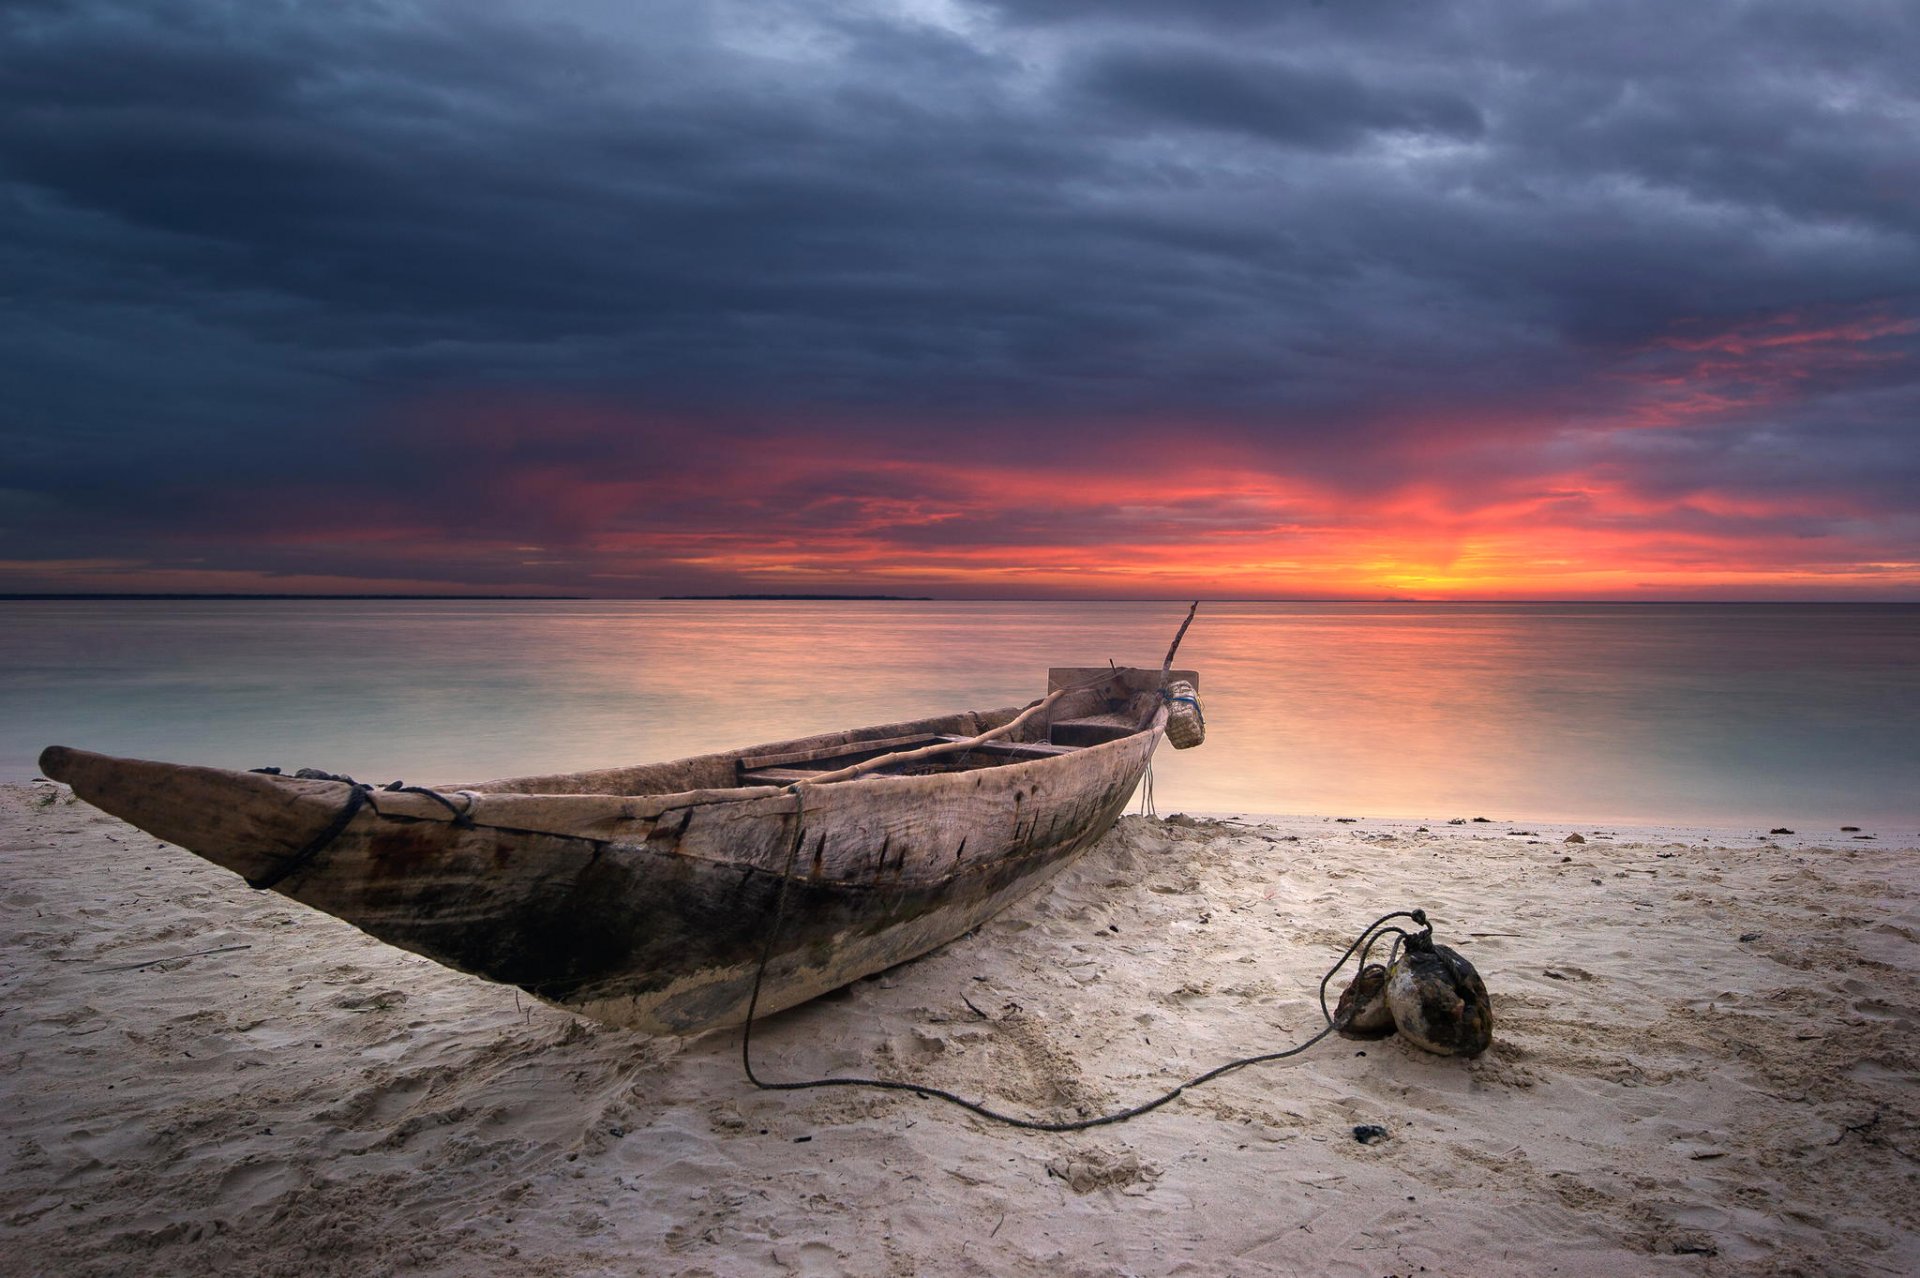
(359,795)
(1366,939)
(356,799)
(462,816)
(1364,943)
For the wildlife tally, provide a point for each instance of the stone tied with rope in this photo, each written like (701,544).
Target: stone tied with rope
(1362,1012)
(1428,992)
(1438,1001)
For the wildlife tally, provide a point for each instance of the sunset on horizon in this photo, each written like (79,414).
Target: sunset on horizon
(1026,298)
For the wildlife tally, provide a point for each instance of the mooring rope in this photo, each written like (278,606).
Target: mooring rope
(1366,938)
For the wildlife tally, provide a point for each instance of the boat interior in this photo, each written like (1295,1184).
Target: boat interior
(1102,704)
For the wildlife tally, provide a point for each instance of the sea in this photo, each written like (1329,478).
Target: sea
(1730,715)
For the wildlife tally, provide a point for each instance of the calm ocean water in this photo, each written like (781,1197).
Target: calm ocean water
(1725,714)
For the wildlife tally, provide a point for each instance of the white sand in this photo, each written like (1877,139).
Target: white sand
(1662,1096)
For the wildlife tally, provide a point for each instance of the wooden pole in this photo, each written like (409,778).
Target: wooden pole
(1166,667)
(945,747)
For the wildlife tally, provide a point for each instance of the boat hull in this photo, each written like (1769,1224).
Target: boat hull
(651,912)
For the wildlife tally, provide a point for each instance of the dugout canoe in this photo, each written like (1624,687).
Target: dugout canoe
(643,896)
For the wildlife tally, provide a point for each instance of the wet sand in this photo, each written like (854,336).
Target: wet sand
(1704,1062)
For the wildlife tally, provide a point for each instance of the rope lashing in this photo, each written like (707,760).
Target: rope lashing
(462,816)
(357,798)
(1361,943)
(359,795)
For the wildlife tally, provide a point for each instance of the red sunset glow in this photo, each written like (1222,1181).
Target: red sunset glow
(1674,469)
(570,495)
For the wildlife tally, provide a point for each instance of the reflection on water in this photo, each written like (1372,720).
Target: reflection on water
(1703,713)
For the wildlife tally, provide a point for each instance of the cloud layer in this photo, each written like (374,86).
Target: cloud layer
(1036,296)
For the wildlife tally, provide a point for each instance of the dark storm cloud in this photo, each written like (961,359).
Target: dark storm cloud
(1267,98)
(250,251)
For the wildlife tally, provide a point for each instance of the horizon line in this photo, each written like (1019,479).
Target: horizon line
(163,596)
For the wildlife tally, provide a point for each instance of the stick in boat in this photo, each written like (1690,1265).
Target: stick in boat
(945,747)
(1166,667)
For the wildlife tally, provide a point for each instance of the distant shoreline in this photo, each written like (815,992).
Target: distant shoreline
(163,596)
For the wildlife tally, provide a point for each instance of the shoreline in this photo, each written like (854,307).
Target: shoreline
(1547,830)
(1901,832)
(1703,1063)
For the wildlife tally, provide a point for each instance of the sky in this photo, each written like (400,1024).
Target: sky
(962,298)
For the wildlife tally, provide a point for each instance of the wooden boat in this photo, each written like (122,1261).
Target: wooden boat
(643,896)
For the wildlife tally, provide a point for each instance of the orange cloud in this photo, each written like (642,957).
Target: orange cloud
(995,529)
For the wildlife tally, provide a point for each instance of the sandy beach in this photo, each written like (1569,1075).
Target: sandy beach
(1704,1062)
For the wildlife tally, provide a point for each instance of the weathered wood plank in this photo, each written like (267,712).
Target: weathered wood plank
(1018,749)
(836,750)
